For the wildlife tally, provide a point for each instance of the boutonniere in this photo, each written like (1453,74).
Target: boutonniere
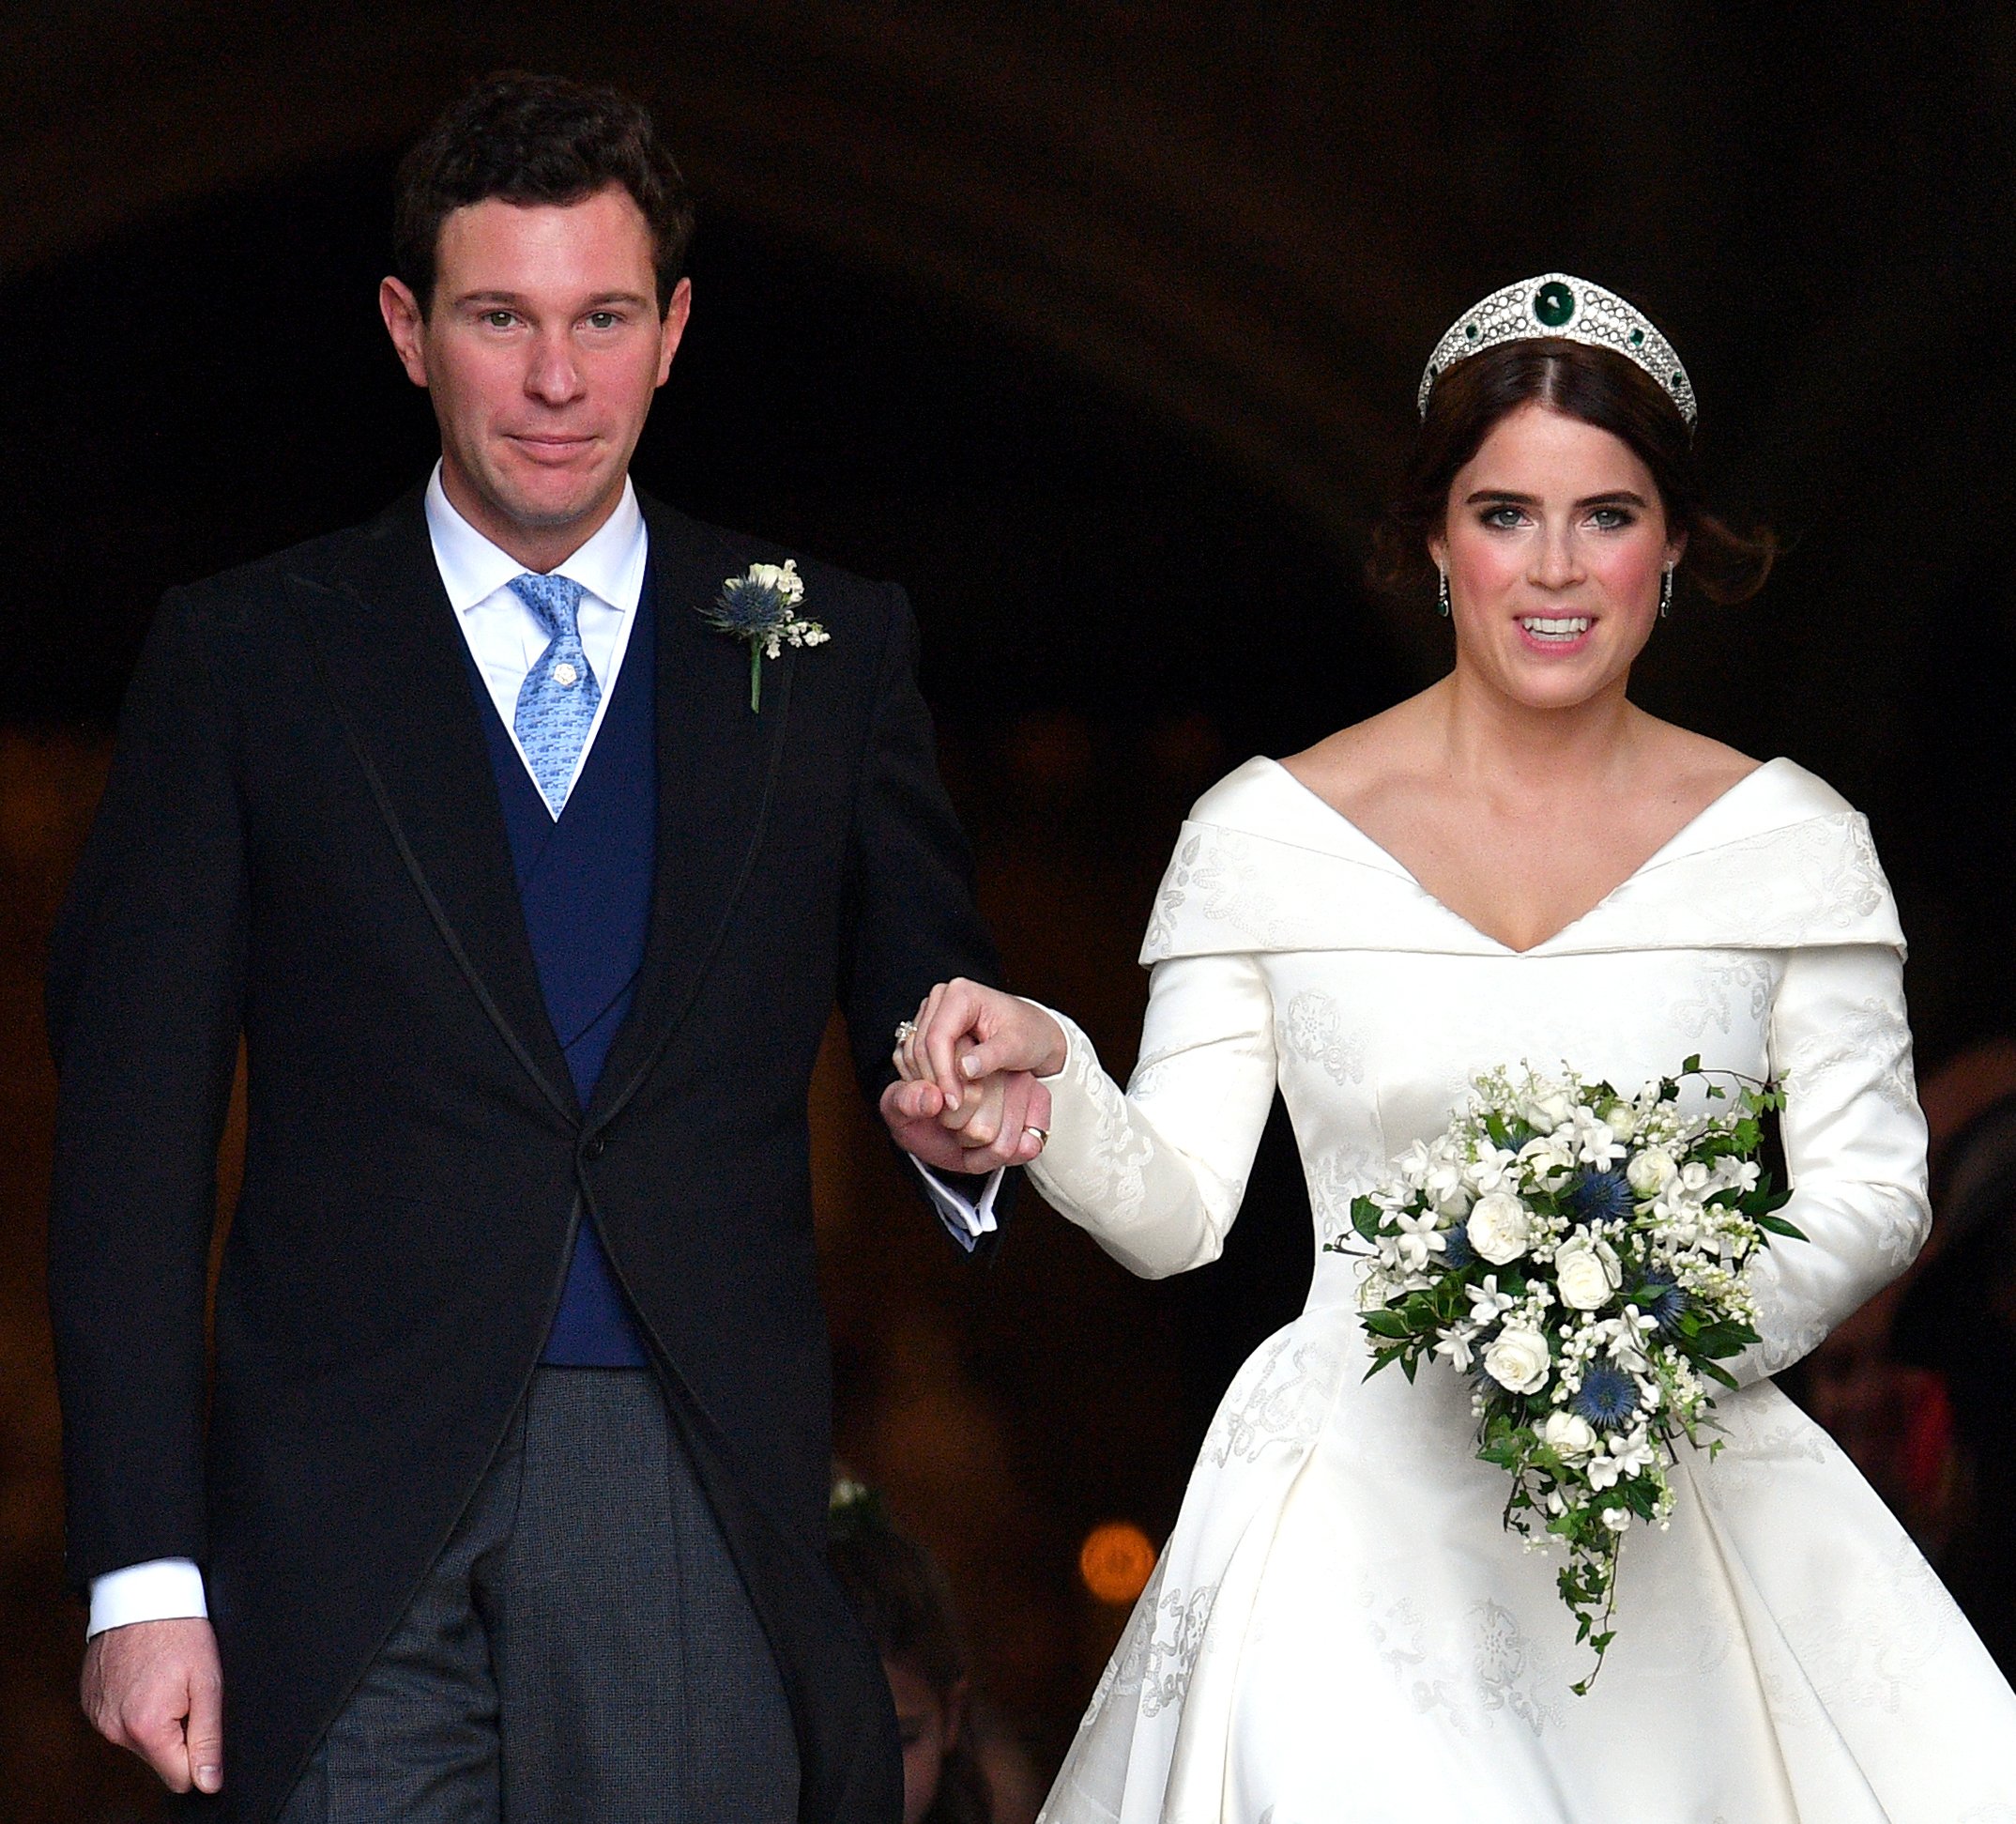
(761,606)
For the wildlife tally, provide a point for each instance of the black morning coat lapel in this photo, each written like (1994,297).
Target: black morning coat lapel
(392,659)
(717,764)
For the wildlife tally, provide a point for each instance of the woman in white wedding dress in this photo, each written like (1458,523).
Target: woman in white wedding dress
(1517,865)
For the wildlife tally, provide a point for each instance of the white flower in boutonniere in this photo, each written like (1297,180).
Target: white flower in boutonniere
(761,608)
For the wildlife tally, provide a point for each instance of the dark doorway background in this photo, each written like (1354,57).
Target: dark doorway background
(1098,327)
(216,384)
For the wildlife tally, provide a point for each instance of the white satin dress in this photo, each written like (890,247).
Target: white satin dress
(1339,1631)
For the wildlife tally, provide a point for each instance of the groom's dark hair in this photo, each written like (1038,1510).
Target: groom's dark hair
(537,139)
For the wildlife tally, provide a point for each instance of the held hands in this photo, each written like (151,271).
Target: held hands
(967,1100)
(157,1688)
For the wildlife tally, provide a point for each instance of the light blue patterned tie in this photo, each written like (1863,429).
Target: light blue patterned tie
(556,701)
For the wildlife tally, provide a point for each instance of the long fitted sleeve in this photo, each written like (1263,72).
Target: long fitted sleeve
(1855,1146)
(146,982)
(1156,1175)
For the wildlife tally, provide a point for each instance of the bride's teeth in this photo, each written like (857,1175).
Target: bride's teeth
(1558,626)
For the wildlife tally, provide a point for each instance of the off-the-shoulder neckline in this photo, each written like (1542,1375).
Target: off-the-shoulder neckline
(1679,842)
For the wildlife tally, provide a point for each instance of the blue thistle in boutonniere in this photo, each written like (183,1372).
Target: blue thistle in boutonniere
(761,608)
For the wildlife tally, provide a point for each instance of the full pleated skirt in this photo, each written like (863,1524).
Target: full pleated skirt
(1340,1631)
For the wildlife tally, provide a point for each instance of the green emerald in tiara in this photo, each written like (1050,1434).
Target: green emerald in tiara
(1560,305)
(1553,306)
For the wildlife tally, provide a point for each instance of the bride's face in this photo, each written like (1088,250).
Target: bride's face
(1555,542)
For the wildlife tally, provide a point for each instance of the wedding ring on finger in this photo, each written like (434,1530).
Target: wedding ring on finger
(1043,1136)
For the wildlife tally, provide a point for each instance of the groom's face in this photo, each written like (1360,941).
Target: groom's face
(541,349)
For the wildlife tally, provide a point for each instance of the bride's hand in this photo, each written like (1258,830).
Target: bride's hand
(1002,1121)
(965,1033)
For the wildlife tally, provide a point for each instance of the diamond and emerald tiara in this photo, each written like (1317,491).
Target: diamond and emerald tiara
(1557,304)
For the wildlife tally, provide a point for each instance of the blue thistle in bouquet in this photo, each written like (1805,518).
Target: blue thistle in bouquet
(1583,1256)
(1601,1197)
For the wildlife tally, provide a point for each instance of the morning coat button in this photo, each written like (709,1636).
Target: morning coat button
(594,1148)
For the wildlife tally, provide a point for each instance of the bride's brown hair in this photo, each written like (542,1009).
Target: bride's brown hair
(1600,388)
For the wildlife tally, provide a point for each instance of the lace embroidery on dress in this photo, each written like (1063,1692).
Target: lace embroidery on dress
(1313,1030)
(1113,1175)
(1492,1666)
(1169,899)
(1505,1669)
(1230,878)
(1125,1670)
(1169,1661)
(1871,1030)
(1753,1450)
(1866,1646)
(1279,1397)
(1341,1174)
(1721,986)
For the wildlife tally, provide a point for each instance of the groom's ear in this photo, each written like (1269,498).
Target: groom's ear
(404,322)
(679,307)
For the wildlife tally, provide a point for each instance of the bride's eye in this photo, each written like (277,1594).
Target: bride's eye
(1612,519)
(1501,519)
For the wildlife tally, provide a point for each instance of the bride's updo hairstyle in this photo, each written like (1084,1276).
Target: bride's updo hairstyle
(1600,388)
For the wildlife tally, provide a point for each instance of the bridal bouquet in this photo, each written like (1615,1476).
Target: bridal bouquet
(1582,1255)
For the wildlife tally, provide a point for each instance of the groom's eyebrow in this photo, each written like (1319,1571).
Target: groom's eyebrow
(515,299)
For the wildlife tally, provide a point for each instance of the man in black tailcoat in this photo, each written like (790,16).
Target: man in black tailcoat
(528,890)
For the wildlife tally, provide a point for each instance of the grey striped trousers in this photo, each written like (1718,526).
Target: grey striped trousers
(583,1651)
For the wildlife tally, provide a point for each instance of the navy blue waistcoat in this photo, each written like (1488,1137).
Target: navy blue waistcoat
(585,887)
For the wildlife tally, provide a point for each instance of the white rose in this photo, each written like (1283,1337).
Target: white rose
(1650,1172)
(1551,1160)
(1519,1362)
(1544,1110)
(1621,1118)
(1568,1434)
(1500,1227)
(1616,1519)
(1585,1278)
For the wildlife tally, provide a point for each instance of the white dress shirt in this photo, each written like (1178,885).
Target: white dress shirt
(504,637)
(506,640)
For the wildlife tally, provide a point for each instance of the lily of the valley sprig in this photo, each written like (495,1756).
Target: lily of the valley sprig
(761,608)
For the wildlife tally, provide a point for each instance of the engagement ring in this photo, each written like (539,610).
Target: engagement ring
(905,1031)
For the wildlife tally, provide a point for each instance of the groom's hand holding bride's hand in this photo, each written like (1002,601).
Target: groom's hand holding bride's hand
(966,1098)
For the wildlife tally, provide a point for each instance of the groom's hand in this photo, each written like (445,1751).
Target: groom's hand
(157,1688)
(999,1122)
